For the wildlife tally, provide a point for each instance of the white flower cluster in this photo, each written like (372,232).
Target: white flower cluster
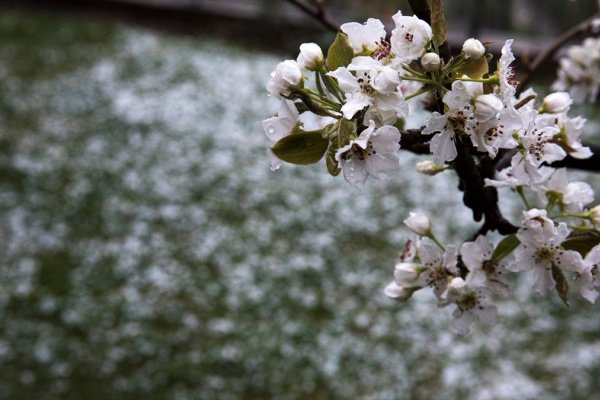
(579,71)
(367,90)
(361,93)
(468,276)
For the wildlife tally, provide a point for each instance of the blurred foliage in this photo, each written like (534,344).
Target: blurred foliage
(148,251)
(537,18)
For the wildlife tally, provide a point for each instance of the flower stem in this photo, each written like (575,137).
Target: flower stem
(414,72)
(522,196)
(431,236)
(417,93)
(412,78)
(492,80)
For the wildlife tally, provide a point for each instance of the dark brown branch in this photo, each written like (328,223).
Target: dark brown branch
(414,141)
(421,9)
(482,200)
(589,164)
(547,54)
(317,12)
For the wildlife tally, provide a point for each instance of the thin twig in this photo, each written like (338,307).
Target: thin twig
(317,12)
(544,56)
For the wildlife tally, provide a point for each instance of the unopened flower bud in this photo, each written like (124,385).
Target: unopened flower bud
(311,56)
(428,167)
(286,75)
(595,216)
(406,273)
(418,223)
(398,293)
(473,49)
(487,106)
(430,62)
(557,102)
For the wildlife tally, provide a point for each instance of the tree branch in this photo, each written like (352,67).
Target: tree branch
(544,56)
(317,12)
(421,9)
(414,141)
(588,164)
(482,200)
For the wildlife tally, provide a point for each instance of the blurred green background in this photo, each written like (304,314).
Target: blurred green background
(149,252)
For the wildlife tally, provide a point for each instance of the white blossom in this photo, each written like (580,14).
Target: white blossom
(522,172)
(386,109)
(444,127)
(311,56)
(439,268)
(506,74)
(491,128)
(280,126)
(579,71)
(369,84)
(572,196)
(419,223)
(487,106)
(410,38)
(471,303)
(396,292)
(540,252)
(595,216)
(364,38)
(431,62)
(537,140)
(286,75)
(538,224)
(374,153)
(473,49)
(428,167)
(557,102)
(483,270)
(588,276)
(406,274)
(570,130)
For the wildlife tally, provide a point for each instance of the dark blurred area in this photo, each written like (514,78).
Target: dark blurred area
(279,25)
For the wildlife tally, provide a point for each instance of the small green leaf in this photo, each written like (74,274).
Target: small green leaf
(400,123)
(474,69)
(332,164)
(562,286)
(438,22)
(582,241)
(301,107)
(301,148)
(346,132)
(505,247)
(340,53)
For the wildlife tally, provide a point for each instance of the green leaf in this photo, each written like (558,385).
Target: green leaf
(582,241)
(400,123)
(562,286)
(332,164)
(345,132)
(438,22)
(505,247)
(474,69)
(340,53)
(301,148)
